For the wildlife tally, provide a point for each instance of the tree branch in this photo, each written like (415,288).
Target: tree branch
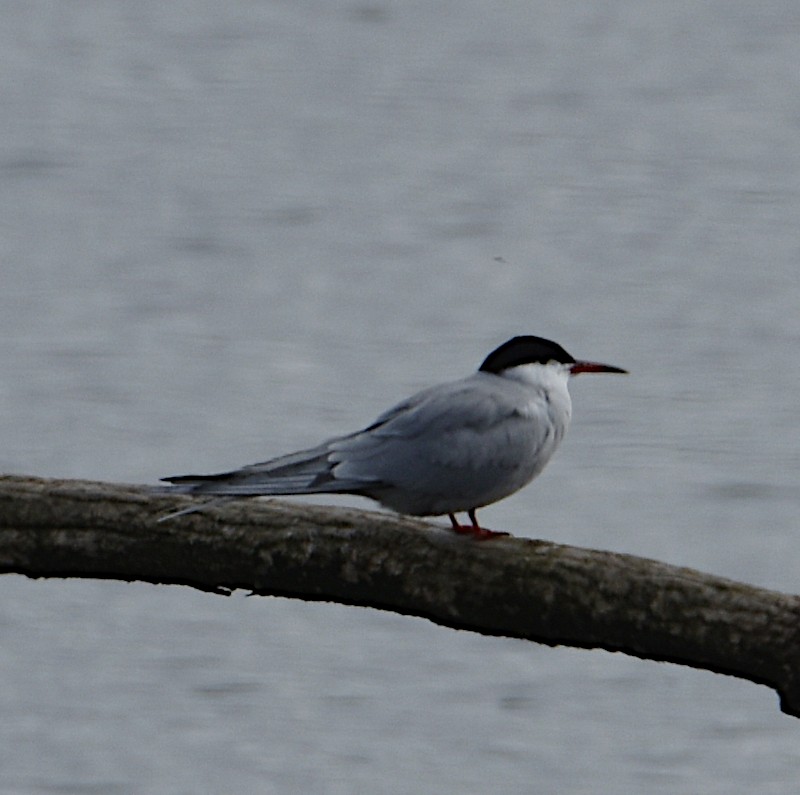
(544,592)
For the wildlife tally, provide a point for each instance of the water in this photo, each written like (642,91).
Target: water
(230,232)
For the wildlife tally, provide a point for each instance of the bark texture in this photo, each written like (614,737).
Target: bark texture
(537,590)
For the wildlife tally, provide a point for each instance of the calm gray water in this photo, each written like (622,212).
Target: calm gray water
(231,230)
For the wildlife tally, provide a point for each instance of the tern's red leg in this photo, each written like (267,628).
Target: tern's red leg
(474,530)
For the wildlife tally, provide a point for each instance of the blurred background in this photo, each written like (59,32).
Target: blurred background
(230,231)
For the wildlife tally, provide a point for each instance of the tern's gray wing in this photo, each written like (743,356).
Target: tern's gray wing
(449,448)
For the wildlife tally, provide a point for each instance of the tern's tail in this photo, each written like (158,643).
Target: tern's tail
(305,472)
(299,473)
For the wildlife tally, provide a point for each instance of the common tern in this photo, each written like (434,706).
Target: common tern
(452,448)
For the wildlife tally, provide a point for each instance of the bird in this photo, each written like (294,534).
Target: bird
(452,448)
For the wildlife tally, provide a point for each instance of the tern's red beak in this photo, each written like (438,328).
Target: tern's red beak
(594,367)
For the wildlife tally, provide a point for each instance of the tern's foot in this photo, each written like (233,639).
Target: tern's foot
(475,530)
(478,533)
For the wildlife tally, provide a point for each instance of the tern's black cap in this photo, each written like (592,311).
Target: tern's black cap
(524,350)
